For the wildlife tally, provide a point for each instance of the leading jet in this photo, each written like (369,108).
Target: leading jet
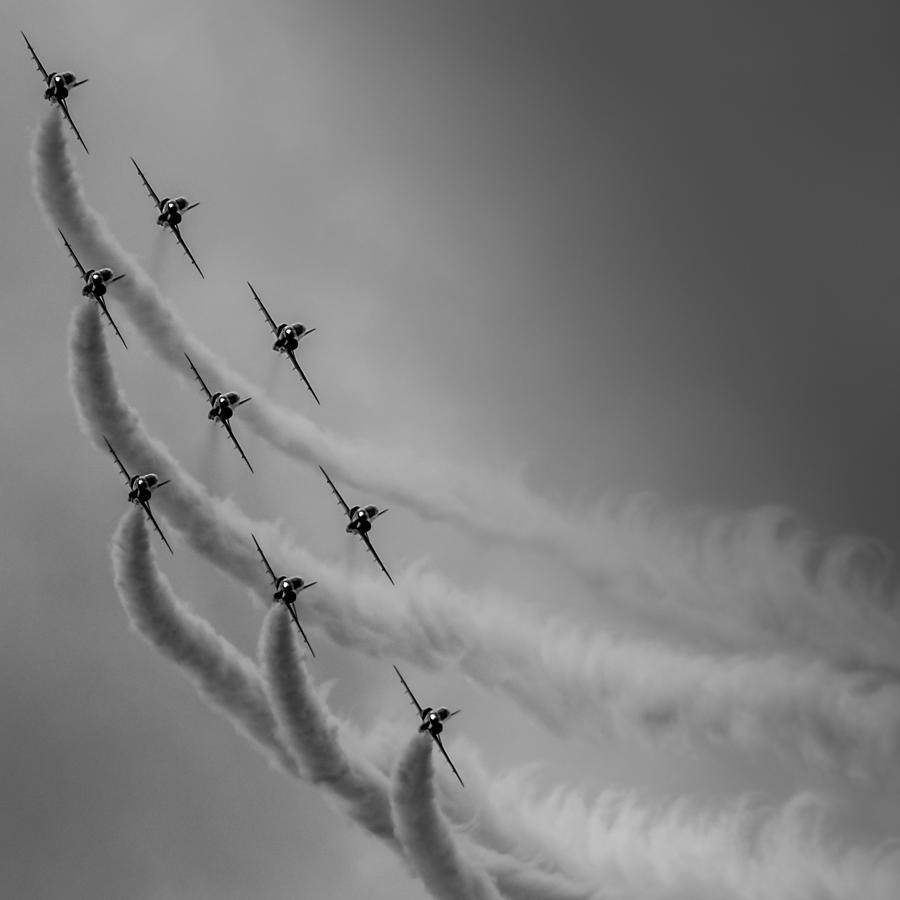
(432,721)
(287,338)
(222,407)
(95,282)
(286,590)
(361,518)
(141,488)
(171,211)
(58,86)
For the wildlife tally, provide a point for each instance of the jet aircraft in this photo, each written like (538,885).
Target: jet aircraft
(171,211)
(361,518)
(58,86)
(95,282)
(287,338)
(286,590)
(222,406)
(141,487)
(432,721)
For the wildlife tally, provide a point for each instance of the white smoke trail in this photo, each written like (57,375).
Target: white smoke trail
(225,677)
(311,731)
(579,682)
(652,854)
(231,683)
(333,759)
(425,834)
(734,577)
(747,850)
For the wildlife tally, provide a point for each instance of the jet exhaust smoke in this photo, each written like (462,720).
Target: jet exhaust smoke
(746,580)
(554,669)
(225,678)
(447,872)
(312,731)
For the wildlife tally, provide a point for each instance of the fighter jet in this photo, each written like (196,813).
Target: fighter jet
(432,721)
(361,518)
(287,338)
(58,86)
(141,487)
(95,282)
(171,211)
(286,590)
(222,406)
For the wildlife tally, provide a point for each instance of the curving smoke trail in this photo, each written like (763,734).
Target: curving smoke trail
(738,578)
(312,732)
(301,721)
(447,872)
(224,676)
(333,759)
(574,681)
(633,849)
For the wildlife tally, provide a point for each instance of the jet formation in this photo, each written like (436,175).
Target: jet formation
(223,404)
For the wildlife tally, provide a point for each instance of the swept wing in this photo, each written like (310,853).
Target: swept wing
(377,558)
(337,493)
(263,310)
(296,365)
(177,232)
(206,390)
(234,440)
(153,195)
(265,561)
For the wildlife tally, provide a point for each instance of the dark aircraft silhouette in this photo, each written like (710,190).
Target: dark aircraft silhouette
(171,210)
(286,590)
(58,86)
(222,406)
(287,338)
(432,721)
(141,487)
(95,282)
(361,518)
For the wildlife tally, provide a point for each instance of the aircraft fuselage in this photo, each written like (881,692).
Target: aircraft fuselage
(221,409)
(58,85)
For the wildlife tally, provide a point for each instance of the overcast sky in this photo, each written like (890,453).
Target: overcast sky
(605,248)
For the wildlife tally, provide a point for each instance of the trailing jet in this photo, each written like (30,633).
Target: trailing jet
(95,282)
(222,406)
(287,338)
(171,211)
(58,86)
(432,722)
(141,487)
(286,590)
(361,518)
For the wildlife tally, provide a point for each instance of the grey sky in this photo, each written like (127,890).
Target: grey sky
(616,247)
